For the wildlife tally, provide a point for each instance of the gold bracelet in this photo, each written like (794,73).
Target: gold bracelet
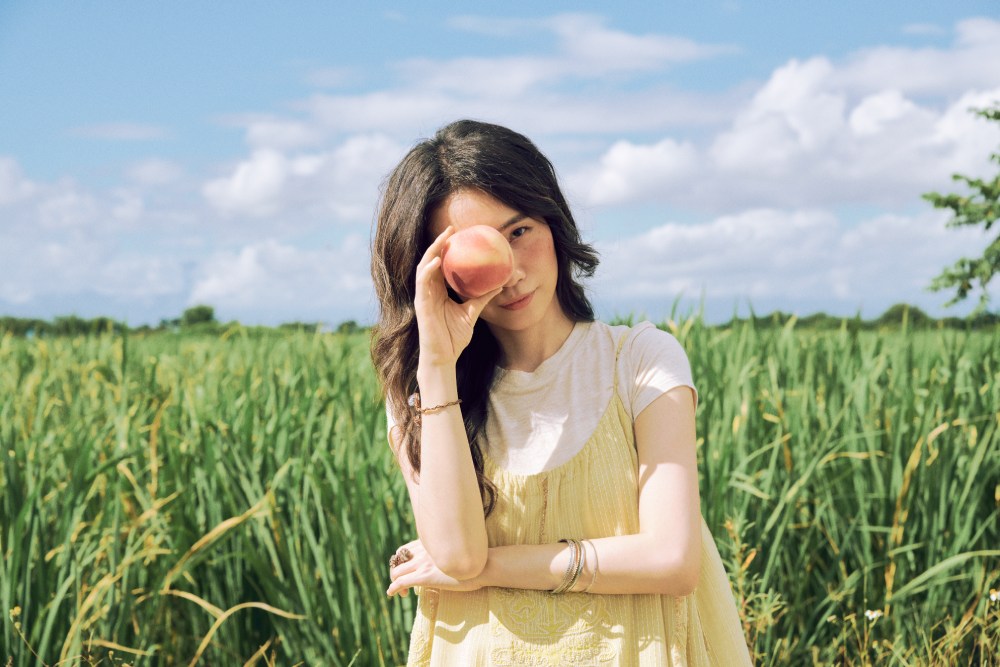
(414,402)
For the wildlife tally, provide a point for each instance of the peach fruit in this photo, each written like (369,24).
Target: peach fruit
(476,260)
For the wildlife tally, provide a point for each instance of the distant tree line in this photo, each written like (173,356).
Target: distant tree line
(895,317)
(201,319)
(197,319)
(69,325)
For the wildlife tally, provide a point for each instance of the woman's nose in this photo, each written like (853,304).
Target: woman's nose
(516,275)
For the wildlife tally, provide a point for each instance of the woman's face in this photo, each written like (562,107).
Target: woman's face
(528,298)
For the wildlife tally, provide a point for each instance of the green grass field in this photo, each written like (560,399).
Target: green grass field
(193,499)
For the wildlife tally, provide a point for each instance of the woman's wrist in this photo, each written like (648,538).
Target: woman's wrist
(538,567)
(438,383)
(483,579)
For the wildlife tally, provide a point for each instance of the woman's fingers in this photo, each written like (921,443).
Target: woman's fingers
(403,575)
(415,551)
(434,249)
(442,237)
(444,325)
(402,569)
(398,587)
(426,270)
(474,307)
(430,281)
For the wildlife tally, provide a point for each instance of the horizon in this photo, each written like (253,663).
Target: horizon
(666,319)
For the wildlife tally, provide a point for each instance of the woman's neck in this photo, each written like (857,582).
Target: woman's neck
(526,350)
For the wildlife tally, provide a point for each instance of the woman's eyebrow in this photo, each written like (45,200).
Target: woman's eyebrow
(513,221)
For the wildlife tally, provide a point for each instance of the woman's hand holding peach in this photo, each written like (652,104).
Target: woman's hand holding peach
(445,326)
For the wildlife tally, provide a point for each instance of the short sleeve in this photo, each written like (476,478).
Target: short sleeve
(655,363)
(389,420)
(390,423)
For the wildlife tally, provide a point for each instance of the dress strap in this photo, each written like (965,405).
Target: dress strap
(618,354)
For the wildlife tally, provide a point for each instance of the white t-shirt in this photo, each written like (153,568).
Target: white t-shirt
(539,420)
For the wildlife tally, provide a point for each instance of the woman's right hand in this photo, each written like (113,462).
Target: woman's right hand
(444,325)
(419,570)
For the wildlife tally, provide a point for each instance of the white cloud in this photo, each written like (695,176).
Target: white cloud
(254,186)
(590,44)
(13,185)
(968,64)
(963,139)
(735,254)
(67,207)
(585,48)
(60,238)
(879,112)
(629,171)
(353,173)
(40,265)
(505,77)
(154,172)
(129,206)
(342,182)
(140,276)
(803,141)
(276,277)
(817,132)
(535,91)
(415,113)
(789,256)
(793,113)
(584,42)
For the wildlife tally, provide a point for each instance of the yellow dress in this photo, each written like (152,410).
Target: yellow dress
(594,494)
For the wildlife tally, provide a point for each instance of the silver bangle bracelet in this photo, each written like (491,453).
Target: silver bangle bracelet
(571,567)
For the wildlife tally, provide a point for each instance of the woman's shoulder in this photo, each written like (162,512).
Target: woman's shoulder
(651,362)
(641,339)
(636,350)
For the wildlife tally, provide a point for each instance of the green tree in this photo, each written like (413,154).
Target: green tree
(980,206)
(901,313)
(70,325)
(348,327)
(198,315)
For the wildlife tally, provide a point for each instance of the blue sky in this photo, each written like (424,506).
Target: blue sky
(158,155)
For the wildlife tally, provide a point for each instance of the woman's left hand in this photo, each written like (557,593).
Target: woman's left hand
(420,570)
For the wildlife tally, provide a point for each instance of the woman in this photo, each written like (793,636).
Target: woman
(549,458)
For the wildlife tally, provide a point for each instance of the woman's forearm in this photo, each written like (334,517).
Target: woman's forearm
(626,564)
(449,508)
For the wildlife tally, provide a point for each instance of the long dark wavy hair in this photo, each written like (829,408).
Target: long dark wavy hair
(507,166)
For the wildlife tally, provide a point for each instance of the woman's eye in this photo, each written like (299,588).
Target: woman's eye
(518,232)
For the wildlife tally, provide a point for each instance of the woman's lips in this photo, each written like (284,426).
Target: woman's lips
(519,304)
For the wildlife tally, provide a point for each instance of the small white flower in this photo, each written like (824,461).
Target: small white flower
(873,615)
(994,595)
